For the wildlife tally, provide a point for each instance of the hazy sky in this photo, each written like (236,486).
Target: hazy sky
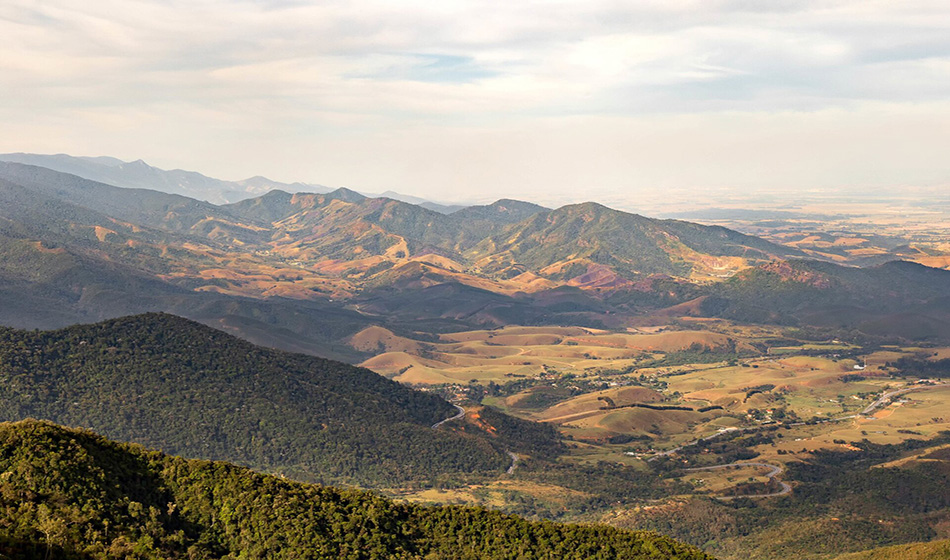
(475,100)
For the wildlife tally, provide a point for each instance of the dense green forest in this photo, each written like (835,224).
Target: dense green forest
(921,367)
(72,494)
(187,389)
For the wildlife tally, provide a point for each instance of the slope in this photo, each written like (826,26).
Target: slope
(894,299)
(72,494)
(939,550)
(182,387)
(590,244)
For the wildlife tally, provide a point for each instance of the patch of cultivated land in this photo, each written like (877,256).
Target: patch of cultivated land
(511,352)
(627,396)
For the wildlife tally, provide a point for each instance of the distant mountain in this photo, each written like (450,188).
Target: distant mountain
(72,250)
(592,245)
(894,299)
(346,226)
(504,211)
(427,204)
(75,495)
(179,386)
(138,174)
(587,245)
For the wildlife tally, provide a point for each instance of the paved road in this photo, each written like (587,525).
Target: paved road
(514,462)
(668,452)
(885,398)
(774,470)
(456,417)
(461,414)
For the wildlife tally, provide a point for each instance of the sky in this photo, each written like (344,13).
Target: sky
(473,100)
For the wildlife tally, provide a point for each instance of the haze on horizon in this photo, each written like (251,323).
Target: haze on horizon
(545,101)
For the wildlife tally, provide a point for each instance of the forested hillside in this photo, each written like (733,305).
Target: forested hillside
(75,495)
(184,388)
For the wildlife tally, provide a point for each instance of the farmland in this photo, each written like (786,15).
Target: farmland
(630,396)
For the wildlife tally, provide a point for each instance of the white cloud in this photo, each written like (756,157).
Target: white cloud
(478,95)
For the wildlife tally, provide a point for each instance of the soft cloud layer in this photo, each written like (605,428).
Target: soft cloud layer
(482,99)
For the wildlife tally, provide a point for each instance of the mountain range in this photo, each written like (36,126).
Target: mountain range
(140,175)
(322,266)
(296,275)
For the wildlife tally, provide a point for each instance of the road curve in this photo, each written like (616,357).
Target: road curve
(885,398)
(774,470)
(514,462)
(456,417)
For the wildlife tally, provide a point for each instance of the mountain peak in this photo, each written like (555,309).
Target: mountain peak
(346,195)
(509,204)
(505,210)
(586,206)
(255,180)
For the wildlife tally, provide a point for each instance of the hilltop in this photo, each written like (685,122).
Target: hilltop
(186,389)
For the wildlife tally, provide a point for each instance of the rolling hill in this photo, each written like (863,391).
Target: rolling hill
(179,386)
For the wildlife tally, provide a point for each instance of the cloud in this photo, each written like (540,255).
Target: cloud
(217,84)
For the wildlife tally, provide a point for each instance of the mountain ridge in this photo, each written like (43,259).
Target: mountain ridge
(182,387)
(139,174)
(286,258)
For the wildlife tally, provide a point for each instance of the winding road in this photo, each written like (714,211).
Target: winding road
(881,401)
(514,462)
(885,398)
(774,470)
(461,414)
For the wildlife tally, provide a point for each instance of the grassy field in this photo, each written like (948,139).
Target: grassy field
(626,397)
(515,352)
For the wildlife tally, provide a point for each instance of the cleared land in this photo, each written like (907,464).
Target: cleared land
(628,396)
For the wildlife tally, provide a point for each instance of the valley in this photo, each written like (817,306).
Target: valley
(862,229)
(350,280)
(725,413)
(580,364)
